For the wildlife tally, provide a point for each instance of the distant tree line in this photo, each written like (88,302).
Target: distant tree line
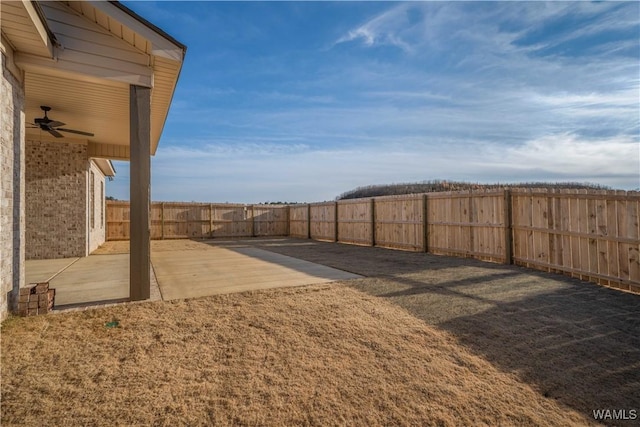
(444,185)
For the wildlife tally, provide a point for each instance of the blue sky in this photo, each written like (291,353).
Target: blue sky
(301,101)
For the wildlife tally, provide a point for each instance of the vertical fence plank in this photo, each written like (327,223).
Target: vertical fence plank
(354,221)
(253,222)
(602,230)
(162,220)
(575,225)
(308,221)
(210,233)
(585,241)
(336,237)
(425,224)
(633,229)
(551,236)
(612,245)
(622,210)
(507,221)
(373,221)
(323,221)
(299,221)
(566,246)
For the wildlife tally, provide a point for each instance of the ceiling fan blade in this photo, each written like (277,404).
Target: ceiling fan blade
(55,124)
(54,133)
(79,132)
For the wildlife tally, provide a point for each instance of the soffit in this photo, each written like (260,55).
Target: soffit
(101,108)
(24,28)
(105,166)
(92,102)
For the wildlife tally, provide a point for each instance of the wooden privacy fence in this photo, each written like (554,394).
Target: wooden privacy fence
(201,220)
(456,223)
(592,235)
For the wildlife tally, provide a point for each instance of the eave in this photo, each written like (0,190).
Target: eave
(88,54)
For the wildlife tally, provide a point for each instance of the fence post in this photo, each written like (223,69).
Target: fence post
(425,224)
(162,220)
(508,220)
(373,221)
(336,221)
(308,220)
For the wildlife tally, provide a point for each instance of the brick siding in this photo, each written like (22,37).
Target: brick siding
(56,199)
(97,232)
(12,186)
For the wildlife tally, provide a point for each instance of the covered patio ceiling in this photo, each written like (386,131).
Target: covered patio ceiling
(80,58)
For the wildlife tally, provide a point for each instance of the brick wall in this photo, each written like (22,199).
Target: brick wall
(97,207)
(12,196)
(56,199)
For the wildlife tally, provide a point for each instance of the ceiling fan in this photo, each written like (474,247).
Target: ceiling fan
(53,126)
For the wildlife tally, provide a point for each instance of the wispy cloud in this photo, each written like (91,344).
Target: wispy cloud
(480,91)
(569,154)
(281,172)
(384,29)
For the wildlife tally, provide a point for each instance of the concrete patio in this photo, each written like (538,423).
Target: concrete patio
(180,269)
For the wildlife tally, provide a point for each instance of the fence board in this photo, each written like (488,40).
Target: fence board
(467,224)
(566,248)
(399,222)
(199,220)
(633,230)
(270,220)
(323,221)
(592,235)
(157,221)
(298,221)
(117,220)
(230,221)
(354,224)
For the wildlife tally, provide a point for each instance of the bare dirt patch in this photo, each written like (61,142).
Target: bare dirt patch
(316,355)
(573,341)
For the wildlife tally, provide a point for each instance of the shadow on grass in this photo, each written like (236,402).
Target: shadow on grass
(573,341)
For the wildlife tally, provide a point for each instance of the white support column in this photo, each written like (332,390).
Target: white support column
(140,193)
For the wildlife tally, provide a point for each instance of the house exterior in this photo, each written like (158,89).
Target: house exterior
(102,69)
(64,200)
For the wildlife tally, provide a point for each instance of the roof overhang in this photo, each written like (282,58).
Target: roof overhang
(80,58)
(105,166)
(23,24)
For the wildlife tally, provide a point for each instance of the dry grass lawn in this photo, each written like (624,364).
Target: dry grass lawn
(315,355)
